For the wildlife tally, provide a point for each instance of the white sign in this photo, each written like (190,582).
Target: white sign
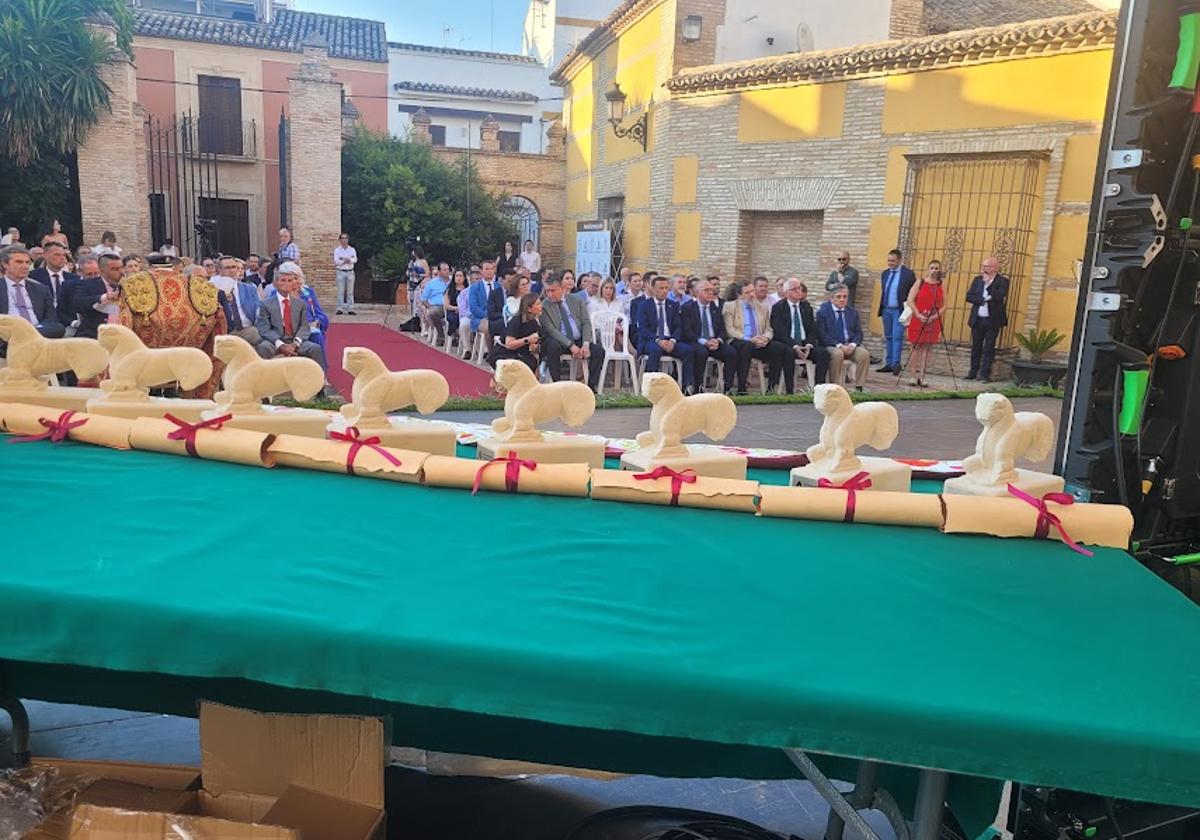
(593,248)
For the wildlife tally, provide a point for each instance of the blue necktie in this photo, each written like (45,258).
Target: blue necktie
(569,321)
(751,321)
(705,326)
(662,320)
(842,325)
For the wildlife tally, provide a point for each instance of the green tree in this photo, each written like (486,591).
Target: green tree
(393,189)
(51,92)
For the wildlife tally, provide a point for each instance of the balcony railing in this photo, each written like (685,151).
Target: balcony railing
(211,136)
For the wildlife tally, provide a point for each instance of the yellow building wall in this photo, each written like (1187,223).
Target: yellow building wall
(1079,168)
(896,175)
(1067,241)
(637,185)
(1058,312)
(882,237)
(579,105)
(1021,92)
(636,239)
(580,201)
(687,237)
(791,113)
(683,180)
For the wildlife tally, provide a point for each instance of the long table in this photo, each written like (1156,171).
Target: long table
(601,635)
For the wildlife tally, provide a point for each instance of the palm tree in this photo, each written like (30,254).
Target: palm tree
(51,91)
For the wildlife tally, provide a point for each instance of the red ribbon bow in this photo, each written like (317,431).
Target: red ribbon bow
(187,431)
(512,471)
(858,481)
(1046,518)
(678,479)
(354,437)
(56,430)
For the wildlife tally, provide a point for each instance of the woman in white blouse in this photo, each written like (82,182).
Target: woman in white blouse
(512,303)
(607,300)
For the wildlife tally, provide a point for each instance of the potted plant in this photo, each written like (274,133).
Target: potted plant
(1036,370)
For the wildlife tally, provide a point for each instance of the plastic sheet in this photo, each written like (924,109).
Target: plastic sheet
(28,795)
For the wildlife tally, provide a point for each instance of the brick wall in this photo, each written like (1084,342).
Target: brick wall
(782,244)
(907,19)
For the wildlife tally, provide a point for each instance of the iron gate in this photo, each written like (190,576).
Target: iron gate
(962,208)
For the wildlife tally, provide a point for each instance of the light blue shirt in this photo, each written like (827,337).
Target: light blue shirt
(435,291)
(892,284)
(749,321)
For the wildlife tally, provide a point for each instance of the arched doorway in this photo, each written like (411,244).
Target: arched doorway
(525,218)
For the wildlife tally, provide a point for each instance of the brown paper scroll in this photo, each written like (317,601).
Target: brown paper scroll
(705,492)
(1107,525)
(876,507)
(237,446)
(25,420)
(546,479)
(332,456)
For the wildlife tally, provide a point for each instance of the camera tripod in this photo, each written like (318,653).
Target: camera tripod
(945,346)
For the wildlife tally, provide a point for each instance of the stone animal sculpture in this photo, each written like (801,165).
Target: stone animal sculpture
(378,390)
(675,417)
(529,402)
(32,356)
(1007,435)
(848,426)
(249,378)
(134,368)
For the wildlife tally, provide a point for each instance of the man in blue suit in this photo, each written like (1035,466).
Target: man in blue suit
(703,325)
(841,334)
(496,294)
(239,299)
(657,331)
(55,277)
(23,297)
(895,281)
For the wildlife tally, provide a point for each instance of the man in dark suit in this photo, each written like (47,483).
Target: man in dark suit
(566,328)
(988,296)
(94,296)
(282,322)
(895,281)
(54,276)
(702,325)
(839,330)
(656,332)
(24,297)
(793,324)
(497,294)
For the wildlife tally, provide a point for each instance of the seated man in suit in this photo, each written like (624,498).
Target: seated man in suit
(567,328)
(24,297)
(282,324)
(95,299)
(239,299)
(55,277)
(702,324)
(497,296)
(794,326)
(656,331)
(840,332)
(748,323)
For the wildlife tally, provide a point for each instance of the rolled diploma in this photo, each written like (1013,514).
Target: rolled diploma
(98,430)
(238,446)
(875,507)
(1107,525)
(546,480)
(710,493)
(330,456)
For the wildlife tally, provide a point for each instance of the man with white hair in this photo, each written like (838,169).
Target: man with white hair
(281,320)
(793,323)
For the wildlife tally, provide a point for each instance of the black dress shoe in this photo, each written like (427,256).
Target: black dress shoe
(985,379)
(885,369)
(970,376)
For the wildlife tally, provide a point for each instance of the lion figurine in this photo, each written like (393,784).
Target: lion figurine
(529,402)
(378,390)
(134,368)
(1006,436)
(32,356)
(248,378)
(675,417)
(848,426)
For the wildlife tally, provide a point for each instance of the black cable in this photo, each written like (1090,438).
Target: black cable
(698,825)
(1118,446)
(1181,167)
(1112,817)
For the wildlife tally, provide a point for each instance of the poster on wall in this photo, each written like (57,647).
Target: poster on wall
(593,248)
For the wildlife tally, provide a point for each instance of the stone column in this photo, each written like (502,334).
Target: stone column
(350,117)
(420,128)
(907,19)
(315,164)
(113,179)
(489,134)
(556,140)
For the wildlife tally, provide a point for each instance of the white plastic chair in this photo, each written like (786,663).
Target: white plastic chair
(605,325)
(719,367)
(761,370)
(809,368)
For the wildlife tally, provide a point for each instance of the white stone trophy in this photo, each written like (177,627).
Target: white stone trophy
(833,460)
(675,417)
(134,368)
(1007,435)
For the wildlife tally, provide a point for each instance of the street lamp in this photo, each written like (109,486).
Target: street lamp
(616,114)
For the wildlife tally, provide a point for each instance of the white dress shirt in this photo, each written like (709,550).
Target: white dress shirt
(796,316)
(532,260)
(987,295)
(56,281)
(344,258)
(283,317)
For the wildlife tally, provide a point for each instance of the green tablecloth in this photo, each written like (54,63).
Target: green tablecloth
(567,630)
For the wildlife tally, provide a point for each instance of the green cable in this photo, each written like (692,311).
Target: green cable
(1133,398)
(1187,57)
(1185,559)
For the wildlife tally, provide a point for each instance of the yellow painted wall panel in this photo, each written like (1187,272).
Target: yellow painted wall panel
(897,172)
(636,239)
(1068,87)
(1058,311)
(617,149)
(883,237)
(637,81)
(637,184)
(1067,242)
(791,113)
(687,237)
(683,184)
(1079,167)
(579,197)
(642,37)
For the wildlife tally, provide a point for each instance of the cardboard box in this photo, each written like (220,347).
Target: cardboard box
(262,777)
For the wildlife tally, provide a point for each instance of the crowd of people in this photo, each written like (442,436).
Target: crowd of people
(540,316)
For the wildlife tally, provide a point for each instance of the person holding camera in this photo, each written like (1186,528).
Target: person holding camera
(925,301)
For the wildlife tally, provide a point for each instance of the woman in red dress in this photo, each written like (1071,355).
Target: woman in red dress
(926,300)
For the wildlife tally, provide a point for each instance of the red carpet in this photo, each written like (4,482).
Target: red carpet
(399,352)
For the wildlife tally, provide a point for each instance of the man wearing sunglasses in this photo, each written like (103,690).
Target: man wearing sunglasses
(844,275)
